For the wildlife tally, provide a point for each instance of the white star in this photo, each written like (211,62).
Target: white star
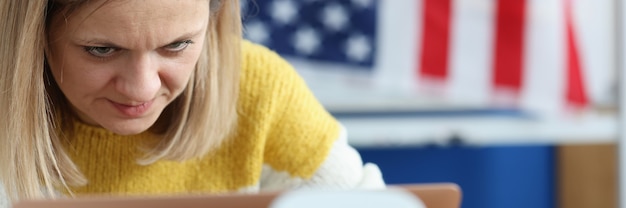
(358,48)
(306,41)
(334,17)
(257,32)
(284,11)
(362,4)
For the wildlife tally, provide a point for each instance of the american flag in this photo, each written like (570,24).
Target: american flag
(537,55)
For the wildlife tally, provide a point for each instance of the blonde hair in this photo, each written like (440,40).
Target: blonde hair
(33,163)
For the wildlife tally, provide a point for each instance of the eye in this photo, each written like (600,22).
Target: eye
(101,52)
(178,46)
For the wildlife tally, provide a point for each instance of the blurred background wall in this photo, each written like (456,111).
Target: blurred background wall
(514,100)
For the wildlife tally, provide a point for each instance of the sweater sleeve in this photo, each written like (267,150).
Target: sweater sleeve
(304,145)
(342,169)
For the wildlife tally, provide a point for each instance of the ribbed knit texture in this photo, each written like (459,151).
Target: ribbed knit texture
(280,124)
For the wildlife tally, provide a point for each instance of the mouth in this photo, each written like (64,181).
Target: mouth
(133,110)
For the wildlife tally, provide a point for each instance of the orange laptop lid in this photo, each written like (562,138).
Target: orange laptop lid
(431,195)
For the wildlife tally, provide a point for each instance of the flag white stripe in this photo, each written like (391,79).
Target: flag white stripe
(471,51)
(399,35)
(595,29)
(545,55)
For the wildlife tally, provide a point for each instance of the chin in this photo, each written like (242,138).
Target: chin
(129,127)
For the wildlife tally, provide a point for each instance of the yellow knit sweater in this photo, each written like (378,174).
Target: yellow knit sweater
(280,124)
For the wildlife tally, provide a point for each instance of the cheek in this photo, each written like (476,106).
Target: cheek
(177,75)
(56,61)
(178,72)
(77,77)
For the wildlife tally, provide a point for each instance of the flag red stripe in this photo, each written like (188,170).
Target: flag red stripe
(508,51)
(435,39)
(575,89)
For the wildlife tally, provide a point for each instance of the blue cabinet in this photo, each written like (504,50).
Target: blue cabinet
(490,177)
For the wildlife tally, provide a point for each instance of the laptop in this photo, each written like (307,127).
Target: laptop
(441,195)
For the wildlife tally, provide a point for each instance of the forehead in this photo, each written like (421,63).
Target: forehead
(145,19)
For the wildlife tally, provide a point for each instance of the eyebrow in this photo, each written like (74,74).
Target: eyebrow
(103,42)
(98,42)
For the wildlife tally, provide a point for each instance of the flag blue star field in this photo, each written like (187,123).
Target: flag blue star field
(333,31)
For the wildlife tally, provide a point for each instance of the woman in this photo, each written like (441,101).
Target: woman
(142,97)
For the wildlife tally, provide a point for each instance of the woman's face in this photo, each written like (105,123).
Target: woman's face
(122,62)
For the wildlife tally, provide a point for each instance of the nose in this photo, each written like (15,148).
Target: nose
(139,81)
